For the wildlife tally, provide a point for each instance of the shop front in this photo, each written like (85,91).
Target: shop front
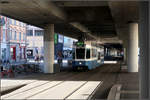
(13,53)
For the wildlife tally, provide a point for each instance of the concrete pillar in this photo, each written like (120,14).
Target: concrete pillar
(49,49)
(125,56)
(125,49)
(144,55)
(133,48)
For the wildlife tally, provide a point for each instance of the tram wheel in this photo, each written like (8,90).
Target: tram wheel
(74,68)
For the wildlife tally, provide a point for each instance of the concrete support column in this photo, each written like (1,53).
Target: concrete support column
(49,49)
(125,55)
(133,48)
(144,55)
(125,49)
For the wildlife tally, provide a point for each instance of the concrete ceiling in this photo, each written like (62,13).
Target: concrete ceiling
(124,13)
(94,19)
(97,19)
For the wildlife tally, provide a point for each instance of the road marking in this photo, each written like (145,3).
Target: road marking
(25,88)
(55,90)
(85,91)
(34,91)
(6,83)
(60,91)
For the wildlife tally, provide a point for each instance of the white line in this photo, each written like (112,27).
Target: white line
(25,88)
(84,92)
(60,91)
(34,91)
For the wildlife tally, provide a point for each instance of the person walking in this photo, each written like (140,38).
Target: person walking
(60,56)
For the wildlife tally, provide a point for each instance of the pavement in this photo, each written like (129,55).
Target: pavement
(108,74)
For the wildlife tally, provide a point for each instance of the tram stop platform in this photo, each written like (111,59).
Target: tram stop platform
(94,84)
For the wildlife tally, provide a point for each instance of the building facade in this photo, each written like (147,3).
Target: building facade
(13,40)
(35,45)
(34,42)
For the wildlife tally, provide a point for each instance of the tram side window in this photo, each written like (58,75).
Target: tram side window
(88,54)
(80,53)
(94,52)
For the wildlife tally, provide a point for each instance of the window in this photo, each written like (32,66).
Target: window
(19,23)
(10,21)
(19,35)
(80,53)
(14,22)
(15,35)
(94,52)
(29,33)
(38,32)
(4,34)
(10,34)
(87,53)
(29,53)
(24,37)
(23,24)
(3,53)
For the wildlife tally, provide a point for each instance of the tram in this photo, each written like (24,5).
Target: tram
(87,55)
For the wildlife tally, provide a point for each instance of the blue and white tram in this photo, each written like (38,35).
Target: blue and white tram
(87,56)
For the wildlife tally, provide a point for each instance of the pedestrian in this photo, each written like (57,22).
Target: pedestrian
(1,68)
(60,56)
(1,72)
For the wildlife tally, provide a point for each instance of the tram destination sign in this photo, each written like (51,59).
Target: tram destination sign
(80,44)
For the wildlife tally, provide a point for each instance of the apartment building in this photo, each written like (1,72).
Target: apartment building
(34,42)
(13,40)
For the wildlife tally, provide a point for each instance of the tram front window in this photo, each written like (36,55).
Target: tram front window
(80,53)
(87,53)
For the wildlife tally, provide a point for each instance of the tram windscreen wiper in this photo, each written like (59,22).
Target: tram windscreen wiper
(80,53)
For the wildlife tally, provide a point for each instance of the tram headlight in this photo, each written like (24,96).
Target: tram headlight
(80,63)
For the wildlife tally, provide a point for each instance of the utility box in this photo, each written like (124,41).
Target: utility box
(56,68)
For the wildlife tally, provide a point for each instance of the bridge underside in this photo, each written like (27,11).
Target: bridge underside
(95,20)
(103,21)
